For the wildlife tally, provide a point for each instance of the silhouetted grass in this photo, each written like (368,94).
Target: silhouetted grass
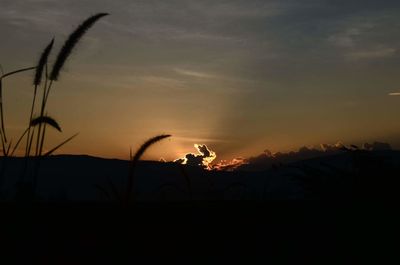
(46,120)
(43,81)
(40,74)
(71,43)
(369,175)
(41,66)
(3,136)
(51,151)
(135,159)
(60,61)
(325,183)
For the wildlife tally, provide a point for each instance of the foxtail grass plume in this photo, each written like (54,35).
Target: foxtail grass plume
(139,153)
(135,159)
(46,120)
(71,42)
(42,62)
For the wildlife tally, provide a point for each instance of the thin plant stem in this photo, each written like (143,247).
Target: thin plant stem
(19,141)
(27,149)
(42,109)
(42,140)
(4,137)
(135,159)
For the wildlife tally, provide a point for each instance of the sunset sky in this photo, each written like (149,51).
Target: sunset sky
(238,76)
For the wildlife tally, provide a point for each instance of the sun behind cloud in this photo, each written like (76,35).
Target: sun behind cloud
(204,158)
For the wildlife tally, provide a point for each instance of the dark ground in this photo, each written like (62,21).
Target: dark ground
(196,233)
(345,216)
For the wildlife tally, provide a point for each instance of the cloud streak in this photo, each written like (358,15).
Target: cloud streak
(193,73)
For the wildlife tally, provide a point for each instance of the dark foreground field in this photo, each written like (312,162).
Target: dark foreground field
(197,233)
(327,210)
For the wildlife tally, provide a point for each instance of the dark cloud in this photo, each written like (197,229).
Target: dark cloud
(377,146)
(267,159)
(203,159)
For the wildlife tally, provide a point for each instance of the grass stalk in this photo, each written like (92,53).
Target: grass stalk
(3,135)
(71,43)
(19,141)
(133,163)
(41,135)
(40,68)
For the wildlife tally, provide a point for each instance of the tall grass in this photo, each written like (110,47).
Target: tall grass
(134,159)
(3,135)
(41,66)
(41,74)
(62,57)
(43,82)
(5,145)
(60,61)
(71,43)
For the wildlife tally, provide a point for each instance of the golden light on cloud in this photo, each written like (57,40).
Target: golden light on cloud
(230,165)
(204,158)
(394,94)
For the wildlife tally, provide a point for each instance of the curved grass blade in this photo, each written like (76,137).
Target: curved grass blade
(46,120)
(17,71)
(61,144)
(139,153)
(71,42)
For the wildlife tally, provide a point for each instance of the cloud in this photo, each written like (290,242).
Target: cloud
(203,159)
(267,159)
(394,94)
(377,146)
(366,34)
(373,53)
(31,15)
(232,165)
(193,73)
(331,147)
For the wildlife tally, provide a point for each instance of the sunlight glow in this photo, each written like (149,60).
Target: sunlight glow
(204,158)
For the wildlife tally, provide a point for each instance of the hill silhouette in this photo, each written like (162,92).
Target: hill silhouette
(346,175)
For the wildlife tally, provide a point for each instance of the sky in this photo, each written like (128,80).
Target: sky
(237,76)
